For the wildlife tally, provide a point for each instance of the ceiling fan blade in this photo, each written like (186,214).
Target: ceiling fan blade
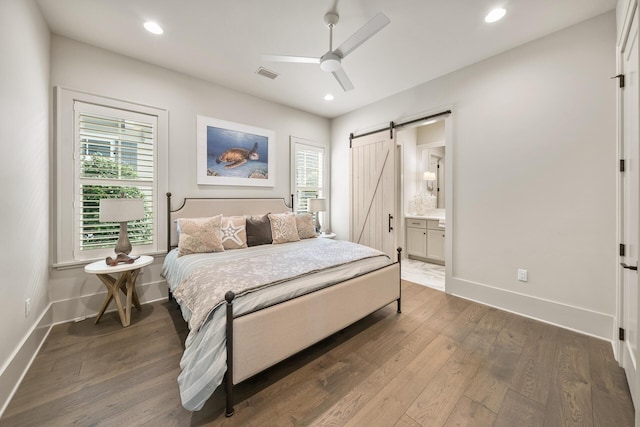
(342,78)
(289,58)
(365,32)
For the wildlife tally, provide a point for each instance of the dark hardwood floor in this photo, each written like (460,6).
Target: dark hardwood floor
(444,361)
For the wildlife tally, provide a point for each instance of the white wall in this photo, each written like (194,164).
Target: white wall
(86,68)
(533,185)
(24,148)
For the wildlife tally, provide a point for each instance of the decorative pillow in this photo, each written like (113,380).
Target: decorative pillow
(305,226)
(258,230)
(283,228)
(199,235)
(234,232)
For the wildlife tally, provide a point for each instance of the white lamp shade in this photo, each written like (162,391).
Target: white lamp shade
(317,205)
(429,176)
(121,210)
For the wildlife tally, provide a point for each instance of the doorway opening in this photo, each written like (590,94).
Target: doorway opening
(423,202)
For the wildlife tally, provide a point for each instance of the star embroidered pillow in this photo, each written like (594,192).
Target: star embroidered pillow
(233,231)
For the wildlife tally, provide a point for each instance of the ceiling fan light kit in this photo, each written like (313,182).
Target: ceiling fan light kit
(332,60)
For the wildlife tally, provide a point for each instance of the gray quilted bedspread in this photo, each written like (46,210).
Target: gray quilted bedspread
(204,289)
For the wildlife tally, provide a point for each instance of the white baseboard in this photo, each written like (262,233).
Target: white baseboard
(74,309)
(77,309)
(577,319)
(17,367)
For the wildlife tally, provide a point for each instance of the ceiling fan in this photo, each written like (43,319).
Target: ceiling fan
(331,61)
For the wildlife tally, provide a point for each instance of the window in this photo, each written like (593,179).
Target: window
(106,149)
(307,172)
(116,159)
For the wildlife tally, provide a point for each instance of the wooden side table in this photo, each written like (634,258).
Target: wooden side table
(126,283)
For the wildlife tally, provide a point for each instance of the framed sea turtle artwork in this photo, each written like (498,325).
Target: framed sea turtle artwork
(231,153)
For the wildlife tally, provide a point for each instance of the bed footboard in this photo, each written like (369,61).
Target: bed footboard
(261,339)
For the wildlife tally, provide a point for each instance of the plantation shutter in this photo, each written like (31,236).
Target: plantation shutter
(309,161)
(115,157)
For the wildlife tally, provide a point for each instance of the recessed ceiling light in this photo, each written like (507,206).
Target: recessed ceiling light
(495,15)
(153,27)
(328,97)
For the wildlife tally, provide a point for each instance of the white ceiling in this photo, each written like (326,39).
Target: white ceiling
(223,41)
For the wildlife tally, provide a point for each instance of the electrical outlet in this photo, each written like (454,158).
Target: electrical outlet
(27,307)
(522,275)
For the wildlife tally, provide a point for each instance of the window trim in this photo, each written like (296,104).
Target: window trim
(294,140)
(63,212)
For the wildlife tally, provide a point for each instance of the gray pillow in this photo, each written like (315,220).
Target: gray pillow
(258,230)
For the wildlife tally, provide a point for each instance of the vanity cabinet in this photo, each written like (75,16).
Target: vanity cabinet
(435,241)
(417,237)
(425,240)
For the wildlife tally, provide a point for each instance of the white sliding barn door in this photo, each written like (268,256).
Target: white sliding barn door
(373,192)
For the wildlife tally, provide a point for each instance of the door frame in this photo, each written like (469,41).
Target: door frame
(617,344)
(449,182)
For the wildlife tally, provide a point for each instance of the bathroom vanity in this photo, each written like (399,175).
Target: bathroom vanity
(425,236)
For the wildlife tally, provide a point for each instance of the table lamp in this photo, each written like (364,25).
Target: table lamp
(317,206)
(122,211)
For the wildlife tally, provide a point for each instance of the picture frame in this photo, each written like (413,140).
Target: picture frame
(230,153)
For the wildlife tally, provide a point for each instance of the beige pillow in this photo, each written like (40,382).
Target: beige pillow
(233,230)
(305,226)
(199,235)
(283,228)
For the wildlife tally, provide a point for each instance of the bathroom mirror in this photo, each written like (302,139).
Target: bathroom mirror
(431,158)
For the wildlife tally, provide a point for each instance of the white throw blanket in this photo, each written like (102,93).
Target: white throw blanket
(205,288)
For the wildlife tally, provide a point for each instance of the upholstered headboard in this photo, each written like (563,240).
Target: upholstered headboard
(205,207)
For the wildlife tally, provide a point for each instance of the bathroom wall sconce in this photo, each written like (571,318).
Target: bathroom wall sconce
(430,177)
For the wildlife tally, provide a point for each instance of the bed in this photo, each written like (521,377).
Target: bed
(240,327)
